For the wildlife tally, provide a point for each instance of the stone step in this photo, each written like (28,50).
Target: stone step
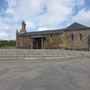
(40,55)
(34,58)
(35,55)
(15,54)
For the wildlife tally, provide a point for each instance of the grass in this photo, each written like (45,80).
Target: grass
(7,47)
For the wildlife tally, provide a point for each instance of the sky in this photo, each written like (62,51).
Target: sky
(41,15)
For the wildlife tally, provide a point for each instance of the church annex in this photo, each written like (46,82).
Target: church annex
(74,37)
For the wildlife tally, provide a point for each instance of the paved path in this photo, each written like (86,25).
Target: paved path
(68,74)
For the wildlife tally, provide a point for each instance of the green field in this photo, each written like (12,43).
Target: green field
(5,44)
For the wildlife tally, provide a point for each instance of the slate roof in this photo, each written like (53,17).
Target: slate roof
(76,26)
(71,27)
(44,32)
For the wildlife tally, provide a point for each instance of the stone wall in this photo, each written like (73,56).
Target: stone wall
(59,41)
(25,42)
(76,43)
(17,40)
(52,41)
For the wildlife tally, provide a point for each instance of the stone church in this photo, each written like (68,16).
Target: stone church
(73,37)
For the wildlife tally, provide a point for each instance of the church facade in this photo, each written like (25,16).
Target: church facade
(74,37)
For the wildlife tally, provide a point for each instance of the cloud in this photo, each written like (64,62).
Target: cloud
(38,14)
(57,11)
(12,3)
(3,35)
(30,25)
(83,16)
(43,29)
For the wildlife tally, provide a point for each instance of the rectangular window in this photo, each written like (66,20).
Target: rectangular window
(51,38)
(72,37)
(80,36)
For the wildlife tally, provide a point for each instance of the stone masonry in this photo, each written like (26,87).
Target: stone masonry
(74,37)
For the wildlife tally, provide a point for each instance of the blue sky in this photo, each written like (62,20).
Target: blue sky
(41,15)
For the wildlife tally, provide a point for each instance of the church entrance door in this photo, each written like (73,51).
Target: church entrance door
(37,44)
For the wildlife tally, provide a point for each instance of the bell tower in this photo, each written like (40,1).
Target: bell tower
(23,27)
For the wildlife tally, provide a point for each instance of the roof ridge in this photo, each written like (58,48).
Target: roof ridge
(76,25)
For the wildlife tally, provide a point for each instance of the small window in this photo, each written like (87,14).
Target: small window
(72,37)
(51,38)
(80,36)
